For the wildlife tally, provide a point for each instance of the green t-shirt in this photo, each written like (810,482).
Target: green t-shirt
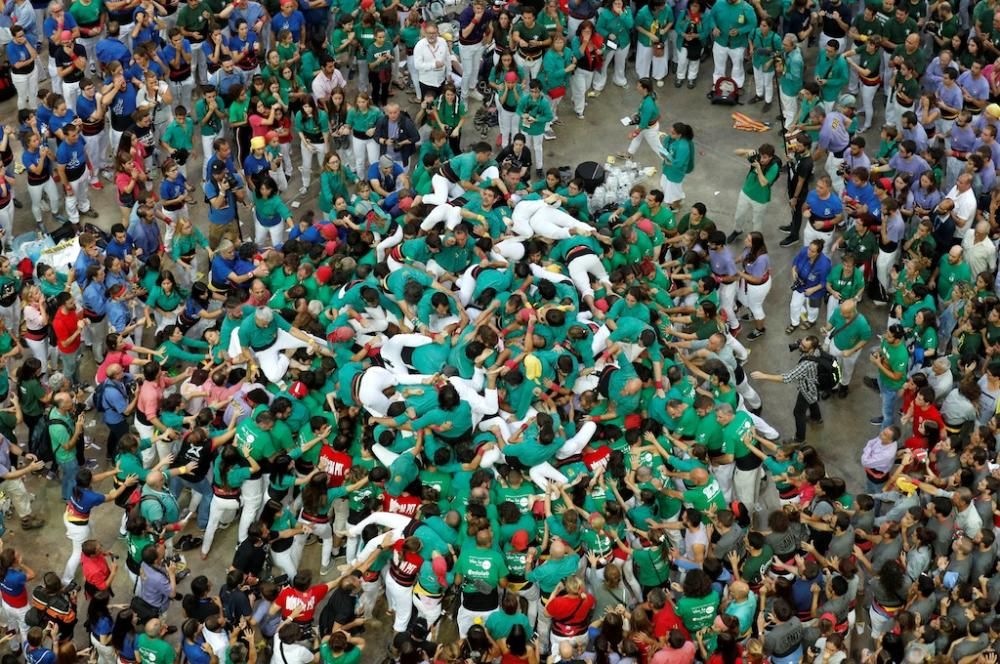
(849,335)
(481,569)
(898,358)
(752,187)
(60,431)
(154,651)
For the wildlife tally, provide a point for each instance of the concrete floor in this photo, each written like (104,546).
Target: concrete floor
(716,182)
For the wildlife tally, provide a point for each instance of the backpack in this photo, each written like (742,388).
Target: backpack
(725,92)
(41,442)
(827,371)
(99,405)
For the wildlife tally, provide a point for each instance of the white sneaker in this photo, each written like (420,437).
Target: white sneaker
(659,83)
(475,94)
(303,190)
(549,135)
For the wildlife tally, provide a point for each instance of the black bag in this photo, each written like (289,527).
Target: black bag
(8,293)
(144,611)
(725,92)
(41,442)
(827,370)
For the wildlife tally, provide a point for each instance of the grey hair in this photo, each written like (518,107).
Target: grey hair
(225,245)
(725,409)
(264,315)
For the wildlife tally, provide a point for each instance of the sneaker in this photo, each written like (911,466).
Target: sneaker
(870,383)
(757,333)
(766,107)
(754,99)
(108,174)
(323,571)
(51,476)
(32,523)
(92,464)
(691,85)
(659,83)
(788,241)
(733,236)
(593,93)
(549,135)
(787,228)
(875,421)
(579,116)
(678,83)
(303,191)
(91,213)
(842,391)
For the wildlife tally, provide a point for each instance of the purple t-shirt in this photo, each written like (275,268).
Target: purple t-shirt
(757,268)
(722,263)
(978,88)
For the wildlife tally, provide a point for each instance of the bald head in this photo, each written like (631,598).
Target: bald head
(557,549)
(114,371)
(699,476)
(155,480)
(153,628)
(848,308)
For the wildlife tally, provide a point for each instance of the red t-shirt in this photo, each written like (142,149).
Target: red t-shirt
(569,613)
(405,565)
(64,325)
(335,464)
(929,412)
(667,619)
(407,505)
(96,571)
(290,599)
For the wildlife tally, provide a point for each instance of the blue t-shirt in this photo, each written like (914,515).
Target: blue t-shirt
(224,214)
(95,298)
(30,159)
(120,249)
(14,583)
(85,107)
(221,268)
(172,189)
(73,157)
(123,103)
(16,53)
(83,501)
(193,652)
(823,210)
(253,165)
(39,655)
(56,122)
(110,50)
(293,23)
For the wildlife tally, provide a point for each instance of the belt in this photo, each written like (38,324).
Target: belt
(839,154)
(529,58)
(360,135)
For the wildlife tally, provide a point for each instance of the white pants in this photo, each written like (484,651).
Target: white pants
(789,108)
(883,270)
(651,135)
(400,600)
(7,223)
(449,214)
(78,198)
(868,93)
(428,608)
(222,510)
(801,305)
(752,297)
(273,362)
(17,615)
(673,192)
(287,560)
(365,154)
(77,534)
(687,69)
(471,57)
(41,351)
(71,92)
(721,56)
(531,68)
(262,233)
(309,150)
(394,522)
(324,532)
(846,362)
(535,143)
(36,191)
(181,91)
(27,89)
(467,618)
(724,475)
(508,124)
(97,149)
(539,218)
(747,207)
(392,350)
(443,191)
(252,499)
(582,269)
(581,82)
(763,84)
(618,57)
(647,64)
(727,302)
(206,152)
(746,485)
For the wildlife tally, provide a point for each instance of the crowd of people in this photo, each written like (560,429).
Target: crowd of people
(519,426)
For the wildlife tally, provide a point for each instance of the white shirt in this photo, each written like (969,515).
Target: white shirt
(425,58)
(323,86)
(965,208)
(290,653)
(981,256)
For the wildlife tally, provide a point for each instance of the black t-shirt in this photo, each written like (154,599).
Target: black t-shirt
(64,59)
(517,161)
(201,454)
(250,556)
(201,609)
(800,168)
(339,610)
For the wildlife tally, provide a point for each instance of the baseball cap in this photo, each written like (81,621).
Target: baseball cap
(385,161)
(218,167)
(646,226)
(271,134)
(520,540)
(993,110)
(849,101)
(830,617)
(66,36)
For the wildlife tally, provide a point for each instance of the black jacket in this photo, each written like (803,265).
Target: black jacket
(407,132)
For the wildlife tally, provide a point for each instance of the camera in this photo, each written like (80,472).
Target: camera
(753,157)
(181,156)
(792,348)
(71,587)
(79,409)
(231,180)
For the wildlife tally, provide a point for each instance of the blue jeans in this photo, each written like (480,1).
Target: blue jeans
(67,477)
(71,365)
(204,488)
(890,402)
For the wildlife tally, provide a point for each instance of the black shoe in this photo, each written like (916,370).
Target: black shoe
(788,241)
(18,204)
(732,236)
(870,383)
(754,99)
(678,82)
(842,391)
(691,85)
(757,333)
(538,173)
(767,107)
(747,317)
(787,228)
(816,420)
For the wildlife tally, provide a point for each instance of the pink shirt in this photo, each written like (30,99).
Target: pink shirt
(150,395)
(114,357)
(683,655)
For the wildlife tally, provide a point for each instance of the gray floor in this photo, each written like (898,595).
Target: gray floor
(716,181)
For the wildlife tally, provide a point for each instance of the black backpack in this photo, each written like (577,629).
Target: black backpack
(41,442)
(827,371)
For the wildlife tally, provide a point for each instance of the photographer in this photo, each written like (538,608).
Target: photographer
(56,603)
(756,193)
(116,405)
(892,359)
(809,271)
(800,174)
(805,375)
(396,134)
(221,197)
(64,435)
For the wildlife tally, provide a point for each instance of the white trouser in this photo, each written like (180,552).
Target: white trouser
(801,305)
(77,534)
(97,149)
(471,57)
(575,445)
(392,350)
(451,215)
(883,270)
(747,207)
(727,302)
(673,192)
(36,191)
(868,93)
(539,218)
(752,297)
(222,510)
(724,475)
(365,154)
(832,165)
(846,362)
(27,89)
(41,351)
(647,64)
(809,234)
(789,108)
(276,233)
(618,57)
(531,68)
(428,608)
(746,485)
(508,124)
(535,143)
(894,111)
(394,522)
(581,82)
(443,190)
(373,382)
(287,560)
(721,55)
(687,68)
(206,152)
(467,618)
(78,198)
(17,615)
(751,400)
(252,499)
(763,84)
(90,46)
(324,531)
(70,92)
(541,474)
(181,91)
(400,600)
(651,135)
(272,361)
(309,150)
(7,224)
(582,269)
